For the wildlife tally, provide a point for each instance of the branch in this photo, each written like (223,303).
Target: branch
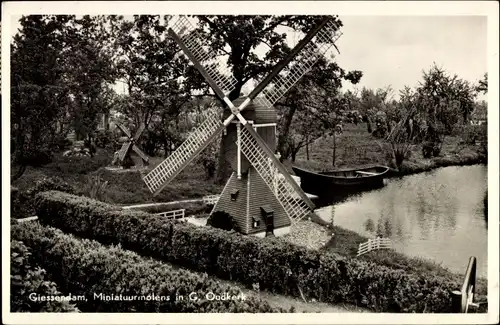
(214,27)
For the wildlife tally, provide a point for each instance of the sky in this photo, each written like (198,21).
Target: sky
(394,50)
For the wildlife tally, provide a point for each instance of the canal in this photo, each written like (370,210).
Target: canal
(438,215)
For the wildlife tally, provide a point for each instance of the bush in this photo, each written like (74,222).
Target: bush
(431,149)
(106,139)
(81,165)
(276,265)
(222,220)
(26,279)
(18,204)
(88,268)
(22,201)
(95,187)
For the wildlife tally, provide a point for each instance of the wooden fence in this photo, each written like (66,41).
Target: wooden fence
(372,244)
(463,299)
(174,214)
(211,199)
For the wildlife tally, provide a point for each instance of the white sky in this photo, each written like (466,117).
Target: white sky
(393,50)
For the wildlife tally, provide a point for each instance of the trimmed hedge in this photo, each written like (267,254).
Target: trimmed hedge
(26,280)
(88,268)
(21,202)
(275,265)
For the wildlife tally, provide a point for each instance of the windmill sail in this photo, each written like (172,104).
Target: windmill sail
(309,55)
(222,76)
(159,177)
(289,197)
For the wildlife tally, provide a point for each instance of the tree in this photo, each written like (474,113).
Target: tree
(443,99)
(483,84)
(92,73)
(237,38)
(158,78)
(39,92)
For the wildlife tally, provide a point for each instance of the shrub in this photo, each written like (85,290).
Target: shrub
(107,139)
(276,265)
(18,204)
(95,187)
(22,201)
(88,268)
(26,279)
(81,165)
(222,220)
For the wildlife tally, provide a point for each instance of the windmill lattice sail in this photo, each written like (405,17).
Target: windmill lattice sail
(222,76)
(310,54)
(173,165)
(294,206)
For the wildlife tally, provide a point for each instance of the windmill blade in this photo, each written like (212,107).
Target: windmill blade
(325,39)
(124,130)
(294,201)
(123,151)
(184,33)
(140,153)
(162,174)
(139,131)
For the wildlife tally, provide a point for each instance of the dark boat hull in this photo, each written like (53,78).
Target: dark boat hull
(348,180)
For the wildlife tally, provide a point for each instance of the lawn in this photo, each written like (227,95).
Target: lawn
(356,147)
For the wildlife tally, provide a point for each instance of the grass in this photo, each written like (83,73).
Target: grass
(123,187)
(357,148)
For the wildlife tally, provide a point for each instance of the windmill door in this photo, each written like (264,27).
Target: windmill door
(268,215)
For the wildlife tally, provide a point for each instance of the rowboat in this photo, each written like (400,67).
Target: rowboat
(322,183)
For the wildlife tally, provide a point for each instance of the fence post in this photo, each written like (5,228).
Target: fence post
(456,302)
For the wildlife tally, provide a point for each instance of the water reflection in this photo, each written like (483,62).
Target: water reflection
(438,215)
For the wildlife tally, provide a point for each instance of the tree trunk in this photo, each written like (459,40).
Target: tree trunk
(284,132)
(294,154)
(307,147)
(20,171)
(334,149)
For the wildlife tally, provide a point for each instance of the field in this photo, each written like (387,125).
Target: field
(354,148)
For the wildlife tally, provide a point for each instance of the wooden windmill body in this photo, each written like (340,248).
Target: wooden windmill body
(246,196)
(260,195)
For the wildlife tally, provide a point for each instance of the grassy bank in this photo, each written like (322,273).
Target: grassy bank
(346,243)
(356,148)
(122,187)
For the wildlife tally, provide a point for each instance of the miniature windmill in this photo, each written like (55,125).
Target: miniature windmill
(129,144)
(261,189)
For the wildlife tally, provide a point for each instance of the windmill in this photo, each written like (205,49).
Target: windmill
(261,189)
(129,145)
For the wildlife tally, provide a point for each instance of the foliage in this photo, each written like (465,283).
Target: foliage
(107,139)
(87,268)
(26,280)
(151,68)
(444,101)
(276,265)
(483,84)
(222,220)
(60,69)
(95,187)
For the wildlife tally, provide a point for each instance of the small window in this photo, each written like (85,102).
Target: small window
(255,222)
(234,194)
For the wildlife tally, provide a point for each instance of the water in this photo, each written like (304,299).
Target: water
(438,215)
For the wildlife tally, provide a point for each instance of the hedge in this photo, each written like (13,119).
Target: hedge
(85,267)
(277,266)
(25,280)
(21,201)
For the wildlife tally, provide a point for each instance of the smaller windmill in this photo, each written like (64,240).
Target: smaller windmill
(129,145)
